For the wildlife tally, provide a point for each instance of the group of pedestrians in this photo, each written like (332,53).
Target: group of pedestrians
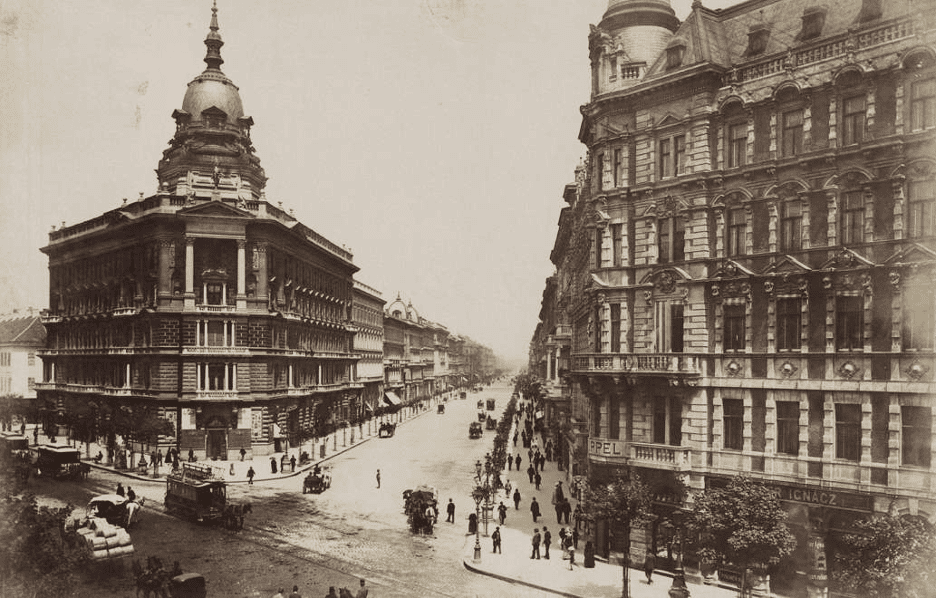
(362,592)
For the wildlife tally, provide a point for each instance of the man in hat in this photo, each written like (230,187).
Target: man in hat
(536,544)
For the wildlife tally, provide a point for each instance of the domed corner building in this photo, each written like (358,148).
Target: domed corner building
(744,269)
(204,303)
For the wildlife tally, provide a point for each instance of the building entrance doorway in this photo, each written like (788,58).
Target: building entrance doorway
(217,444)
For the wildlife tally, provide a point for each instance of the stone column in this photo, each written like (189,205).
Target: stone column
(241,297)
(263,281)
(189,272)
(165,281)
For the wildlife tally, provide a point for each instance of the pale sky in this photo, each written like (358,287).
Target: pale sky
(431,137)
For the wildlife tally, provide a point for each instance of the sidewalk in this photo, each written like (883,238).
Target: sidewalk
(554,575)
(336,444)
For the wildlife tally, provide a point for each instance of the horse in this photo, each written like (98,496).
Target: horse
(150,580)
(234,515)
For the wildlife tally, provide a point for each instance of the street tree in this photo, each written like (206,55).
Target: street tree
(623,502)
(35,558)
(888,556)
(742,524)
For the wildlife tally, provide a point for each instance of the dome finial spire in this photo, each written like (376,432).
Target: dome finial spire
(213,41)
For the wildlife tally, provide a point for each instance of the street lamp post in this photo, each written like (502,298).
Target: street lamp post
(478,495)
(679,589)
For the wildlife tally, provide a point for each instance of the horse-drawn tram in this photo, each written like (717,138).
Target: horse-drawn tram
(198,491)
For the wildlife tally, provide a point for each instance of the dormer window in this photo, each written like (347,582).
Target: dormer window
(757,40)
(870,10)
(813,20)
(674,56)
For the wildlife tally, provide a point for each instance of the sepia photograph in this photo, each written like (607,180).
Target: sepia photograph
(285,283)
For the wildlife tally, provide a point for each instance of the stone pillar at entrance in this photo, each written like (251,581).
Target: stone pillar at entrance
(190,272)
(241,298)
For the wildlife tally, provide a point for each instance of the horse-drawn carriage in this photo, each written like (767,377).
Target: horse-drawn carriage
(491,423)
(441,408)
(474,430)
(317,481)
(61,462)
(116,509)
(387,430)
(421,506)
(490,404)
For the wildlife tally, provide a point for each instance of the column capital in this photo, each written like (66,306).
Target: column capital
(241,243)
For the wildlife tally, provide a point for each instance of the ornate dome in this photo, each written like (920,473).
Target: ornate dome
(212,88)
(633,13)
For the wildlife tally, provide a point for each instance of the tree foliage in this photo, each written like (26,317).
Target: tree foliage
(742,523)
(888,556)
(35,558)
(623,502)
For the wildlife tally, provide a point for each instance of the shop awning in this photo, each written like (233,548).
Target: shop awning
(391,398)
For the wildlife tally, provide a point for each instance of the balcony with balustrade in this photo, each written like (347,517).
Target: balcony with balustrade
(640,454)
(685,368)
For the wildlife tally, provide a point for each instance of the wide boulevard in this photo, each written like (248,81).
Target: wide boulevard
(353,530)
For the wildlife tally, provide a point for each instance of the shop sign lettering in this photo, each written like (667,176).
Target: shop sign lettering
(816,497)
(606,448)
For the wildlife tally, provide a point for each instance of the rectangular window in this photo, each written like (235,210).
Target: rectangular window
(849,323)
(679,155)
(917,435)
(30,359)
(923,105)
(214,293)
(737,145)
(791,226)
(733,417)
(598,236)
(734,327)
(659,420)
(676,332)
(788,324)
(31,384)
(852,223)
(921,196)
(615,327)
(788,427)
(599,171)
(619,167)
(663,240)
(847,431)
(792,135)
(918,319)
(666,156)
(853,120)
(737,231)
(617,238)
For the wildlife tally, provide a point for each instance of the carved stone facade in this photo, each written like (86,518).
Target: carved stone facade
(760,307)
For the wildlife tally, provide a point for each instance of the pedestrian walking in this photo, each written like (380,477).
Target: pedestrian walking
(131,495)
(507,488)
(502,513)
(280,594)
(292,463)
(295,593)
(536,544)
(283,461)
(535,509)
(378,480)
(273,464)
(562,538)
(575,537)
(159,457)
(250,476)
(517,461)
(362,593)
(516,498)
(649,566)
(120,490)
(566,509)
(191,456)
(496,539)
(547,540)
(531,472)
(509,462)
(515,443)
(450,512)
(243,453)
(537,479)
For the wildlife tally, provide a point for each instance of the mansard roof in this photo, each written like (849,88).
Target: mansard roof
(720,37)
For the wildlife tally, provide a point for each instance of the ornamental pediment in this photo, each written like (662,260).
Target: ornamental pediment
(914,254)
(787,265)
(731,269)
(846,258)
(216,209)
(664,280)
